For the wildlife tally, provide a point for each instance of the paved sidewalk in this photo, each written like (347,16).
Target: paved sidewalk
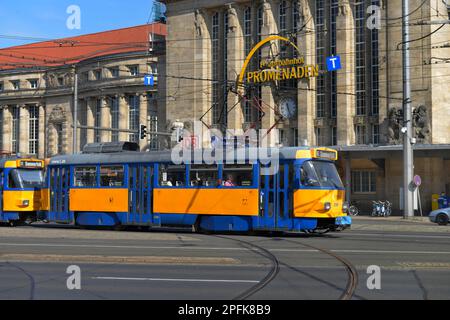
(397,223)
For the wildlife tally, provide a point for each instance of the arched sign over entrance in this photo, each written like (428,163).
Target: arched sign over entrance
(276,70)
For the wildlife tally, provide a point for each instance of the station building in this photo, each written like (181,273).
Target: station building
(357,109)
(37,91)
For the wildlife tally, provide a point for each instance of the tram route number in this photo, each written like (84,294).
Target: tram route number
(225,310)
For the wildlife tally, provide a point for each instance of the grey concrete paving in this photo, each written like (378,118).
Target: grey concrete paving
(182,265)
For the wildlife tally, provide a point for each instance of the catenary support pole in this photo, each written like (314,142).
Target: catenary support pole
(408,135)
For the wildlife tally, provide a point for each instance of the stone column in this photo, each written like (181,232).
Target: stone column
(202,89)
(306,95)
(236,56)
(123,117)
(52,143)
(346,103)
(382,81)
(6,128)
(78,147)
(23,138)
(268,101)
(90,119)
(105,119)
(143,118)
(42,128)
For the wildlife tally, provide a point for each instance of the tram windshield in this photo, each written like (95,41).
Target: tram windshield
(25,178)
(320,174)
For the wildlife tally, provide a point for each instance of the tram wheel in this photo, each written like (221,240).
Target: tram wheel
(321,231)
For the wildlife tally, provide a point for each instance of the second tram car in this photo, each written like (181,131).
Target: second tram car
(21,181)
(112,186)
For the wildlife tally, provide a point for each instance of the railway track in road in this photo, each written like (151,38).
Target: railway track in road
(352,280)
(270,276)
(347,294)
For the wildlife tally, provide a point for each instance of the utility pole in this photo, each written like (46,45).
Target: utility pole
(408,157)
(75,112)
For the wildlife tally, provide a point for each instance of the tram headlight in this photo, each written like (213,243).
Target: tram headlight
(327,206)
(345,207)
(25,203)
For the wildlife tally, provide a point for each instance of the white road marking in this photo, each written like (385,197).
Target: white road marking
(218,248)
(372,235)
(175,280)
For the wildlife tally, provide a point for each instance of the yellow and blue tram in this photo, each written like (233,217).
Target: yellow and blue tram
(108,187)
(21,181)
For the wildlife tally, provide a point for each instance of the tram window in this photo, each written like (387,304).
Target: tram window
(85,177)
(111,176)
(25,178)
(203,176)
(237,175)
(320,174)
(172,175)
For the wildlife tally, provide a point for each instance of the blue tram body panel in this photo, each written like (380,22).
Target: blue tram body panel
(226,223)
(6,217)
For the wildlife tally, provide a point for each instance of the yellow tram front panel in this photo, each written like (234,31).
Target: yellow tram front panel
(310,203)
(21,201)
(98,200)
(242,202)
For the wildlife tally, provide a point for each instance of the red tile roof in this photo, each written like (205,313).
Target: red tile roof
(72,50)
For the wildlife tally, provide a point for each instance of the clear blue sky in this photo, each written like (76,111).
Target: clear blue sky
(47,18)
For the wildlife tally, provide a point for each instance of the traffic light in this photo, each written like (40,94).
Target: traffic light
(447,3)
(142,131)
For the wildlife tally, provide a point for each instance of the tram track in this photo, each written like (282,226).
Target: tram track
(269,277)
(352,280)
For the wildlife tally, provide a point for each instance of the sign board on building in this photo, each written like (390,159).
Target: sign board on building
(334,63)
(149,80)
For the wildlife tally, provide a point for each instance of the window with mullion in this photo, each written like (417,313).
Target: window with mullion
(215,69)
(33,144)
(15,129)
(320,58)
(115,118)
(360,51)
(133,117)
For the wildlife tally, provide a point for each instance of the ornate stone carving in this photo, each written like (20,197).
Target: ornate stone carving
(199,23)
(421,123)
(233,20)
(360,120)
(303,9)
(58,115)
(394,125)
(343,7)
(266,13)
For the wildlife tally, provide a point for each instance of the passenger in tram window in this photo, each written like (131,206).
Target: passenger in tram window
(230,181)
(169,182)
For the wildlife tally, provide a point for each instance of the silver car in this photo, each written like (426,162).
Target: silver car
(440,216)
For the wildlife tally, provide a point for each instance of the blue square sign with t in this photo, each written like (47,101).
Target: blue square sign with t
(334,63)
(149,80)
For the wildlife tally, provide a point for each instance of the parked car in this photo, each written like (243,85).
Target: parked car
(440,216)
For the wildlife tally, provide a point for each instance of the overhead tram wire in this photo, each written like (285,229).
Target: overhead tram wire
(421,38)
(409,14)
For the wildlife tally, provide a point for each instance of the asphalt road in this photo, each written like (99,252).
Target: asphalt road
(182,265)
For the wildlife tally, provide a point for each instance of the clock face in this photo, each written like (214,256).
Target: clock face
(288,108)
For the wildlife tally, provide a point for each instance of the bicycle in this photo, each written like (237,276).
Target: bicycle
(353,209)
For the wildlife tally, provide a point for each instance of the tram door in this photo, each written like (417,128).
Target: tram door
(59,194)
(140,195)
(274,199)
(1,194)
